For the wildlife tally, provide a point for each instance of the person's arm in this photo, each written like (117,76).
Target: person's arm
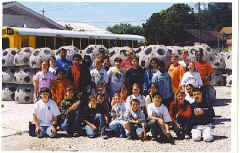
(35,120)
(36,86)
(90,124)
(54,124)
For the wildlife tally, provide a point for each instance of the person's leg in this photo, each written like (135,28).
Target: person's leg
(89,131)
(64,125)
(76,123)
(139,132)
(207,134)
(42,131)
(196,134)
(100,122)
(154,128)
(50,133)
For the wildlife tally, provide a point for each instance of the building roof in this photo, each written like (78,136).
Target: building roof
(226,30)
(83,27)
(16,8)
(76,34)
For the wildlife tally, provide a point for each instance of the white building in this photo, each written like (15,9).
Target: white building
(17,15)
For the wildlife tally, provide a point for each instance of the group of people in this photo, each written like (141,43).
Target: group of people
(124,100)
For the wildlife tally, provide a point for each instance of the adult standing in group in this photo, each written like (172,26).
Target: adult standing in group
(134,75)
(205,70)
(43,78)
(127,62)
(176,72)
(63,62)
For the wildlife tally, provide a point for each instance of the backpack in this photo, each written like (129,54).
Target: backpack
(32,128)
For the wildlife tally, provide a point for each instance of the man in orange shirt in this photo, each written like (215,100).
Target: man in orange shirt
(205,69)
(176,72)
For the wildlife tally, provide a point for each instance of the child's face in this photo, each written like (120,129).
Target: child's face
(76,61)
(106,63)
(197,96)
(157,100)
(191,67)
(69,94)
(135,106)
(189,89)
(135,91)
(117,64)
(44,65)
(52,62)
(154,64)
(100,99)
(180,98)
(98,65)
(134,62)
(45,96)
(116,99)
(152,89)
(92,103)
(174,60)
(60,75)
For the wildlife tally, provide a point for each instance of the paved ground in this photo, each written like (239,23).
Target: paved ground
(15,119)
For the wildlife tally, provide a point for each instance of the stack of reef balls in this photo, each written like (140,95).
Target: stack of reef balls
(20,65)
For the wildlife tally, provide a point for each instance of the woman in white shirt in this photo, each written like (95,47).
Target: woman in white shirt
(191,77)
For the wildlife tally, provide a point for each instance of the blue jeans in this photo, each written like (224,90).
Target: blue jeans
(72,123)
(99,123)
(46,130)
(118,129)
(136,129)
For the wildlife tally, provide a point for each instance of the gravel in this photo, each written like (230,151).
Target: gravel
(222,135)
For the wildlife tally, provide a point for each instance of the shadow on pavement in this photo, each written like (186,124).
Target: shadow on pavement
(216,137)
(222,102)
(221,120)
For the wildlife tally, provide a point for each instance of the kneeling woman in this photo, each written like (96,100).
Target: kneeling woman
(181,112)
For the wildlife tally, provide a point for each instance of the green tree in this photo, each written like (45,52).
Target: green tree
(126,29)
(167,27)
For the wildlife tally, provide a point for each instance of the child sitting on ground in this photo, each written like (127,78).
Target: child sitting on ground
(136,123)
(181,113)
(70,117)
(93,118)
(45,114)
(136,94)
(202,118)
(158,118)
(117,114)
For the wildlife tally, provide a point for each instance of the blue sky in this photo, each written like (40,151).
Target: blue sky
(100,15)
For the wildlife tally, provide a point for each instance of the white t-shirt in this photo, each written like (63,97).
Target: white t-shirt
(141,98)
(161,112)
(99,77)
(193,78)
(45,112)
(182,63)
